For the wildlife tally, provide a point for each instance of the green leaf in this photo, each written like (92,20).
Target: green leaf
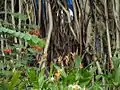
(116,61)
(21,86)
(56,67)
(96,86)
(14,81)
(51,69)
(41,43)
(84,77)
(41,80)
(3,86)
(17,34)
(6,73)
(117,75)
(52,87)
(77,62)
(21,35)
(63,73)
(19,16)
(35,39)
(3,29)
(11,31)
(27,37)
(32,75)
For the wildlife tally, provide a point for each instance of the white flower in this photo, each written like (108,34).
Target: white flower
(76,87)
(52,79)
(70,86)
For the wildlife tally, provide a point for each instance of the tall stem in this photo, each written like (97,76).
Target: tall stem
(108,36)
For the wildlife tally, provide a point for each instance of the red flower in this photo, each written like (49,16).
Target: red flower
(35,32)
(37,48)
(7,50)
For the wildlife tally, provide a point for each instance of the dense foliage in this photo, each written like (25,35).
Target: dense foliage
(59,45)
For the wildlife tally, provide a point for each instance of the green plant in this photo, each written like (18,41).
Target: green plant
(31,39)
(75,77)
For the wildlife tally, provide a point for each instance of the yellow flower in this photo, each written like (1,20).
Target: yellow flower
(57,75)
